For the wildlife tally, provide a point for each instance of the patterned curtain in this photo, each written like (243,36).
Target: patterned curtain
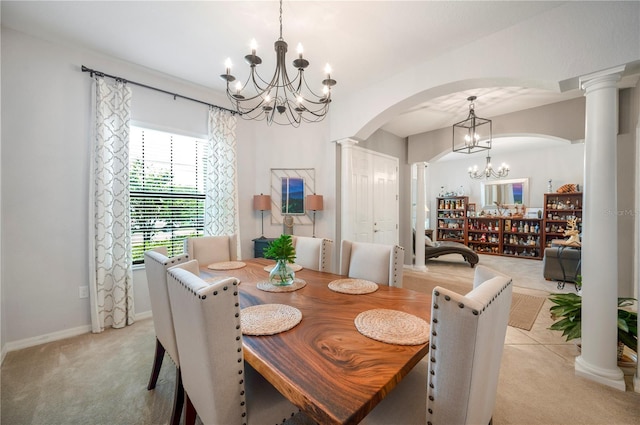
(111,277)
(221,185)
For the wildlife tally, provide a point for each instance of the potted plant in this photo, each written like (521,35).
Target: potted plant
(281,250)
(568,308)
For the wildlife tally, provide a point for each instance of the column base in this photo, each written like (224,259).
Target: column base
(611,378)
(419,268)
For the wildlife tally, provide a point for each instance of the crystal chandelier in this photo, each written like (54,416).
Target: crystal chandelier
(467,134)
(488,171)
(294,101)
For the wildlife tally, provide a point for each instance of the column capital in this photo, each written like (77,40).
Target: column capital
(347,142)
(611,75)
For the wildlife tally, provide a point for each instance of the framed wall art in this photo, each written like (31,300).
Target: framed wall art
(289,187)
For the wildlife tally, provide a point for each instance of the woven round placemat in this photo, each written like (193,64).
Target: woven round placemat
(294,267)
(392,327)
(268,319)
(226,265)
(353,286)
(265,285)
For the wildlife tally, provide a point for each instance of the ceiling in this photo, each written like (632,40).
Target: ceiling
(364,41)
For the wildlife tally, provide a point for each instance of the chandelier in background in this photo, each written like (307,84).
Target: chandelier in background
(468,136)
(488,171)
(280,100)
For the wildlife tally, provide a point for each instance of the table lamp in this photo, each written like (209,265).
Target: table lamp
(262,203)
(314,203)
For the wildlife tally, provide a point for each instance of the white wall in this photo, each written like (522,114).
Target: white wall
(284,147)
(45,166)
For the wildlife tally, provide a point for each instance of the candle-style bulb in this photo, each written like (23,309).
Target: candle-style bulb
(238,87)
(227,65)
(300,50)
(327,69)
(254,46)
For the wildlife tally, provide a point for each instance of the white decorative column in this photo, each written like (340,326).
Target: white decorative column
(420,212)
(347,215)
(598,360)
(636,243)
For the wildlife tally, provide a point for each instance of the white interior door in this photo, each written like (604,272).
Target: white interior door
(385,200)
(374,197)
(361,191)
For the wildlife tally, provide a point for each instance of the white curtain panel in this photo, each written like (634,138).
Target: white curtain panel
(221,184)
(111,276)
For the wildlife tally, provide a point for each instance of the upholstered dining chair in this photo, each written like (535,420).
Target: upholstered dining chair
(313,253)
(219,386)
(456,383)
(156,264)
(375,262)
(212,249)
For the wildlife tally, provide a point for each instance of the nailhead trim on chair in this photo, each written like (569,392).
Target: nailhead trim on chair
(324,244)
(434,320)
(238,338)
(396,252)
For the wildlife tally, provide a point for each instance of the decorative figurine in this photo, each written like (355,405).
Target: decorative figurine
(572,231)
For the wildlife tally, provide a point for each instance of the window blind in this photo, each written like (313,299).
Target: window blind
(167,190)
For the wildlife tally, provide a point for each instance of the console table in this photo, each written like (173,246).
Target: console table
(259,244)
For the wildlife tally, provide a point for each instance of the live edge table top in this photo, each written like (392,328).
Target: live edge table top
(324,365)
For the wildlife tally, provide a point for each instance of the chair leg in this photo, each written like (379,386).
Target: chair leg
(178,400)
(157,363)
(189,411)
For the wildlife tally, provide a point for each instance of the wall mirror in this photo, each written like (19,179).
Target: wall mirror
(507,192)
(289,187)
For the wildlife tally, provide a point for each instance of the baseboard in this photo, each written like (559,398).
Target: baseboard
(144,315)
(55,336)
(43,339)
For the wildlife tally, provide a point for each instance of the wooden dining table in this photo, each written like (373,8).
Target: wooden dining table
(324,365)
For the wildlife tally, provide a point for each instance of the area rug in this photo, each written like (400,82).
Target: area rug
(524,308)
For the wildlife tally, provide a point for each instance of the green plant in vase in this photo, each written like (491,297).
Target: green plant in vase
(281,250)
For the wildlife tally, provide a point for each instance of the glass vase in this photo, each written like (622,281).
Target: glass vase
(281,274)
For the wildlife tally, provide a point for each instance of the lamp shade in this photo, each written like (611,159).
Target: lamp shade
(261,202)
(315,203)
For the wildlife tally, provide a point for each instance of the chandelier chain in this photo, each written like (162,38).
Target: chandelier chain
(281,21)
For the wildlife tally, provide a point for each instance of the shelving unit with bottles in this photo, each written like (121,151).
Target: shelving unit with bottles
(522,237)
(508,236)
(484,235)
(558,208)
(452,218)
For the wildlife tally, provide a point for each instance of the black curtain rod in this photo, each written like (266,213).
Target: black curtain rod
(175,95)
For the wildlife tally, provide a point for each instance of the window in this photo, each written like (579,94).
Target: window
(167,190)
